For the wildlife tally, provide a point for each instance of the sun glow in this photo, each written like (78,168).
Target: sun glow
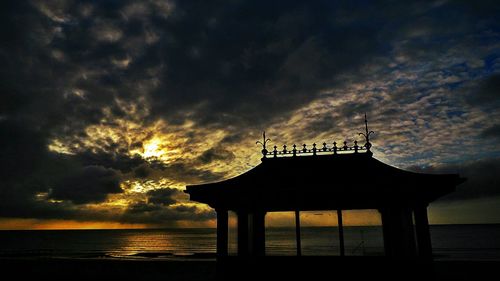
(38,224)
(152,149)
(162,147)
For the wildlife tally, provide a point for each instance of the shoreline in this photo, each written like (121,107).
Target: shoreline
(144,256)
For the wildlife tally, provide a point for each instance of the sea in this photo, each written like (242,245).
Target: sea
(450,242)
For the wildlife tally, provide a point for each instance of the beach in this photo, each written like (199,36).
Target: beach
(198,270)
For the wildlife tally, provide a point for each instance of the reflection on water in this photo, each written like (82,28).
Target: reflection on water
(472,242)
(158,243)
(324,241)
(136,243)
(108,243)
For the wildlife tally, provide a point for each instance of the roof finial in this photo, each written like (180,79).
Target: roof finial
(367,134)
(263,143)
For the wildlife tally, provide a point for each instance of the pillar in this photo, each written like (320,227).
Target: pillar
(423,233)
(399,237)
(222,232)
(251,233)
(258,234)
(386,232)
(242,233)
(341,233)
(297,233)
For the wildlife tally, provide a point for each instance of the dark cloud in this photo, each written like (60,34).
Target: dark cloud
(487,93)
(492,132)
(244,62)
(143,208)
(90,185)
(164,215)
(216,154)
(22,150)
(164,207)
(110,159)
(141,171)
(326,123)
(252,60)
(185,172)
(234,138)
(185,209)
(483,178)
(165,196)
(355,108)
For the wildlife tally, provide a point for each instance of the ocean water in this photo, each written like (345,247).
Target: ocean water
(450,242)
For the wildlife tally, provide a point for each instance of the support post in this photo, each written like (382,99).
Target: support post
(341,233)
(423,233)
(408,235)
(297,233)
(222,230)
(242,233)
(399,236)
(386,231)
(258,234)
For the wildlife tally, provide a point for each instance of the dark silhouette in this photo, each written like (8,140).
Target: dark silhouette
(326,178)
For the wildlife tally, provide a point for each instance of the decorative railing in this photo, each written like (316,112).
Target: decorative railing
(314,150)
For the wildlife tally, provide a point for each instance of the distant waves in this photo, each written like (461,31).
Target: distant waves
(450,242)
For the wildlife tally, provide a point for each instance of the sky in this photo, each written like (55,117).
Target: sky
(108,109)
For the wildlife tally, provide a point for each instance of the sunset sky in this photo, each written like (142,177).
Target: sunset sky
(108,109)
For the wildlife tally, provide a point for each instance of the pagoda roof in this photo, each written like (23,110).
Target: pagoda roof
(319,182)
(323,178)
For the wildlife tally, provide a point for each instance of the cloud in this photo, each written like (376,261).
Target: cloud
(492,132)
(110,159)
(141,171)
(90,185)
(22,150)
(165,196)
(248,77)
(160,215)
(97,92)
(487,93)
(483,178)
(215,154)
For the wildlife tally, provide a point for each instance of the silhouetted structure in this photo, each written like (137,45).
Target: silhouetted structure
(326,178)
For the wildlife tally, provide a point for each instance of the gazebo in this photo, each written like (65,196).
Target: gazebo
(326,177)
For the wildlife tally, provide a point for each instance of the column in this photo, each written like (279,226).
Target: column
(242,233)
(258,238)
(409,243)
(386,231)
(399,237)
(222,230)
(297,233)
(341,233)
(423,233)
